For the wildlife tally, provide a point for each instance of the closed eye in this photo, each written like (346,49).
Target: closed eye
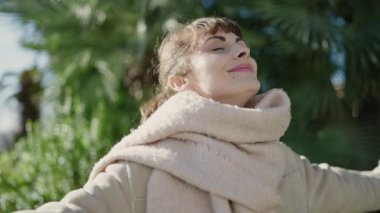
(217,49)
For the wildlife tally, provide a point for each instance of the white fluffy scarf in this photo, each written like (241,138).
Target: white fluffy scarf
(229,153)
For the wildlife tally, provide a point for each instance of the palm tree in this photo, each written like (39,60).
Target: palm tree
(28,95)
(325,54)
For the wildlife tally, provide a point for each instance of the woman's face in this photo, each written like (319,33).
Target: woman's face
(223,70)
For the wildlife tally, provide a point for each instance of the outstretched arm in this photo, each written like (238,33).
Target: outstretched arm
(333,189)
(111,191)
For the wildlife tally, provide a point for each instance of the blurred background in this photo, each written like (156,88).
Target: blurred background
(74,72)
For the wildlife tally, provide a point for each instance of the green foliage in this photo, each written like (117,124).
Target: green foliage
(98,48)
(350,143)
(56,157)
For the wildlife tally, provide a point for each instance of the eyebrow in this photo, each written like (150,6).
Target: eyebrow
(222,38)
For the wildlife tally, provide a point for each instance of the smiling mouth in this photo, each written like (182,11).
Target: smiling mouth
(242,68)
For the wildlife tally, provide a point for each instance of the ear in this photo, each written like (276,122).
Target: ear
(178,83)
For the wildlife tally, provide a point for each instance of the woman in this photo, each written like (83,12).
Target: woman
(209,143)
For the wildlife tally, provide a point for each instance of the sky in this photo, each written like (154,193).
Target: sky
(13,59)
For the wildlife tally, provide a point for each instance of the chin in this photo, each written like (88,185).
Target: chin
(254,88)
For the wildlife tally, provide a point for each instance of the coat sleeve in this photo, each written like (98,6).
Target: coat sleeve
(333,189)
(111,191)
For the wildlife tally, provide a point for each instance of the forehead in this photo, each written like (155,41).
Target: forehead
(219,35)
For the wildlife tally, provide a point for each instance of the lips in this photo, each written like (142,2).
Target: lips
(242,68)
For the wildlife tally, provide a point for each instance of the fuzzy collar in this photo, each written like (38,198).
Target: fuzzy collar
(267,120)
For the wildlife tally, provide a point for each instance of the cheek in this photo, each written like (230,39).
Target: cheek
(212,85)
(207,72)
(207,62)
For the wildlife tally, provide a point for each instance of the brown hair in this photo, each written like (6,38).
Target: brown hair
(173,51)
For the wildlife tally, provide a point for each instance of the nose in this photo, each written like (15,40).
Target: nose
(242,51)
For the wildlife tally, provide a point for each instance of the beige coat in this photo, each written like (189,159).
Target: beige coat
(211,157)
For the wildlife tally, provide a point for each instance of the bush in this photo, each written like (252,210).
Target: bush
(56,158)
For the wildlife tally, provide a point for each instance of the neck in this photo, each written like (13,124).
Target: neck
(240,100)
